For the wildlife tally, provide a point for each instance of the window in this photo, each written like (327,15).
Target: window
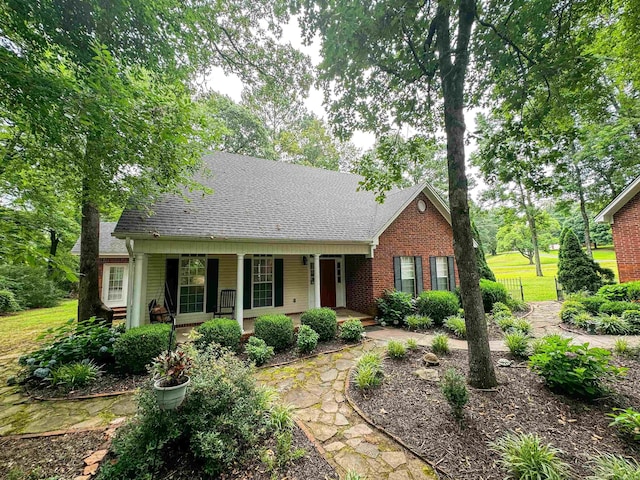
(115,289)
(192,284)
(408,275)
(312,272)
(442,273)
(339,271)
(262,281)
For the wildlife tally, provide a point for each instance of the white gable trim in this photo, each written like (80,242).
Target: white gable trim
(607,213)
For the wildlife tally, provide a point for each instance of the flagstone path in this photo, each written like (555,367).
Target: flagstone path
(315,389)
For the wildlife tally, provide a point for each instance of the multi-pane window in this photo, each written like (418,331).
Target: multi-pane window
(339,271)
(115,290)
(442,273)
(262,281)
(192,284)
(312,273)
(408,275)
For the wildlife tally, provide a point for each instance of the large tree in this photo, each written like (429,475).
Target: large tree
(105,88)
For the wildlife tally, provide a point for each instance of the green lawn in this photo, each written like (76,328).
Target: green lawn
(514,265)
(18,332)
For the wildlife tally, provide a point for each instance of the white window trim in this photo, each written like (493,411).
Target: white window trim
(413,267)
(273,281)
(447,276)
(106,273)
(180,285)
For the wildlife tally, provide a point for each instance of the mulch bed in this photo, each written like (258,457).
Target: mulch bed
(415,411)
(39,458)
(492,329)
(105,383)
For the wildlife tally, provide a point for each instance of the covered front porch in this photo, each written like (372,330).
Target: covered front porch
(200,281)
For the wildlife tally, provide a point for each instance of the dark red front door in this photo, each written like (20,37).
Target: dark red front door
(328,283)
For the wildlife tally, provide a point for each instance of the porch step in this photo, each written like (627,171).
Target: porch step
(119,313)
(366,322)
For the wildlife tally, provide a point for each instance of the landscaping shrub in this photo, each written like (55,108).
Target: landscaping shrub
(492,292)
(368,371)
(611,325)
(518,343)
(275,330)
(614,467)
(258,351)
(576,271)
(627,422)
(307,339)
(523,325)
(136,347)
(323,321)
(351,330)
(440,343)
(437,305)
(31,286)
(74,342)
(618,308)
(500,307)
(628,291)
(592,303)
(454,388)
(517,305)
(570,309)
(74,375)
(457,326)
(8,302)
(418,322)
(223,331)
(412,344)
(506,324)
(396,349)
(584,320)
(221,423)
(395,306)
(525,457)
(573,369)
(632,317)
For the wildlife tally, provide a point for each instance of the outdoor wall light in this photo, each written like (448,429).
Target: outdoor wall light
(304,259)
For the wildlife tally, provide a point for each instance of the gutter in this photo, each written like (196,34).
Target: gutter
(127,243)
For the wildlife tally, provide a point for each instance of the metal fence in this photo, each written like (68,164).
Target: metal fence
(513,286)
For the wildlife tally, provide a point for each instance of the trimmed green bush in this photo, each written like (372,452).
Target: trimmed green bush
(437,305)
(492,292)
(323,321)
(592,303)
(275,330)
(456,325)
(258,351)
(525,457)
(223,331)
(396,349)
(136,347)
(440,343)
(418,322)
(454,388)
(618,308)
(621,292)
(8,302)
(307,339)
(394,306)
(576,370)
(351,330)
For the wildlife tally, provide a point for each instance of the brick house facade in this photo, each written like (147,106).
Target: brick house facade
(623,214)
(412,234)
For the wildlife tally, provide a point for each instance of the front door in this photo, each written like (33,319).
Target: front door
(328,283)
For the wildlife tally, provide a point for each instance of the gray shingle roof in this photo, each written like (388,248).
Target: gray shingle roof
(263,199)
(109,245)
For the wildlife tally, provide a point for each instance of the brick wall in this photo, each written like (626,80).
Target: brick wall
(412,234)
(626,238)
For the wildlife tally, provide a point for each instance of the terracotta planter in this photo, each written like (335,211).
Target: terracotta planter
(170,397)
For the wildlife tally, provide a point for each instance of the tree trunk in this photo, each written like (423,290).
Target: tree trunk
(583,212)
(89,302)
(53,250)
(531,220)
(452,75)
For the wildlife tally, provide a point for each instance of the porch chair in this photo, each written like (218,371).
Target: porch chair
(227,304)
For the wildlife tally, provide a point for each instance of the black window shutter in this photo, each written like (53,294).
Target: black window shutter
(418,271)
(171,285)
(397,276)
(278,273)
(433,273)
(246,299)
(212,284)
(452,274)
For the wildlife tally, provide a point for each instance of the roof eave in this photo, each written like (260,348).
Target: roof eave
(607,213)
(143,236)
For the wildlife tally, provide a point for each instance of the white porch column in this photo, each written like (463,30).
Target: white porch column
(316,280)
(134,315)
(240,292)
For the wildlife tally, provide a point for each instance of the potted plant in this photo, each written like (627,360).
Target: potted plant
(170,370)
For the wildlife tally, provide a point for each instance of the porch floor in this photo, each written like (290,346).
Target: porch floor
(249,323)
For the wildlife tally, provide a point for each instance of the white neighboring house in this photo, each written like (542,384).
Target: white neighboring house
(113,269)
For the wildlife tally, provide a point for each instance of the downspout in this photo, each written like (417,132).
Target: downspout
(130,274)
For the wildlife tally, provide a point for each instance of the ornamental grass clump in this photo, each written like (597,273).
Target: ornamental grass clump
(570,309)
(517,343)
(368,371)
(454,388)
(440,343)
(418,322)
(307,339)
(614,467)
(396,349)
(412,344)
(522,325)
(76,374)
(525,457)
(457,326)
(611,325)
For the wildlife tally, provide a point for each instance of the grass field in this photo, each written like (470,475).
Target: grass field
(18,332)
(514,265)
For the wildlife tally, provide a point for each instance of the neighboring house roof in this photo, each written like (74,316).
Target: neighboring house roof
(109,245)
(263,199)
(607,213)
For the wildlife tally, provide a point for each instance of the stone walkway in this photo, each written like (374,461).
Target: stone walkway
(315,389)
